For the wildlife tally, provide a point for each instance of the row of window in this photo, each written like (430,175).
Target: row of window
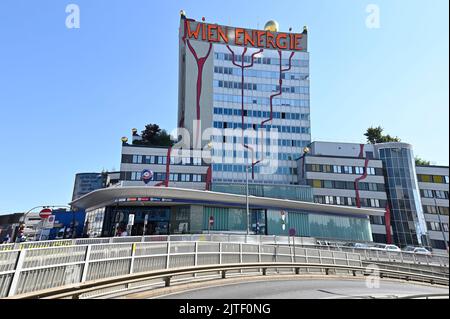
(260,60)
(279,128)
(437,226)
(260,73)
(244,154)
(435,210)
(433,179)
(262,114)
(161,160)
(173,177)
(340,169)
(374,187)
(349,201)
(238,168)
(260,100)
(428,193)
(261,87)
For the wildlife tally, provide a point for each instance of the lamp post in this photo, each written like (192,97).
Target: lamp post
(440,224)
(246,199)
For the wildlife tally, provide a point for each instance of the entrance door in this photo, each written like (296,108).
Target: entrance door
(158,228)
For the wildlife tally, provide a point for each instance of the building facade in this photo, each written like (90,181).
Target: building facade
(243,84)
(382,176)
(434,187)
(166,210)
(334,171)
(86,183)
(165,167)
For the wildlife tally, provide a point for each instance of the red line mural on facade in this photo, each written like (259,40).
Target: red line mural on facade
(242,66)
(165,183)
(280,92)
(362,177)
(200,64)
(387,217)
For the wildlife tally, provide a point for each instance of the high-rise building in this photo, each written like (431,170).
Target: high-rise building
(245,84)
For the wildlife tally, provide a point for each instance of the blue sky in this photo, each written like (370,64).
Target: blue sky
(68,95)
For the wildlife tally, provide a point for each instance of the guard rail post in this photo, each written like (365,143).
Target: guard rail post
(18,269)
(86,263)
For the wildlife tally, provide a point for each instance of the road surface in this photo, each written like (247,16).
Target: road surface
(306,289)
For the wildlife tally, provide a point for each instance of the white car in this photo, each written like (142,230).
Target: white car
(421,251)
(378,247)
(393,248)
(385,247)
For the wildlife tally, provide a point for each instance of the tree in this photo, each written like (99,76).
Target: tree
(421,161)
(150,132)
(375,135)
(153,135)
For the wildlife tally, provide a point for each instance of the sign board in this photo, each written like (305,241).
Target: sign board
(292,232)
(49,222)
(45,213)
(131,220)
(211,220)
(147,176)
(262,39)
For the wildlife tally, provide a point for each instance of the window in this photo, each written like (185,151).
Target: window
(441,194)
(337,169)
(446,179)
(348,170)
(359,170)
(438,179)
(427,193)
(317,183)
(339,184)
(445,227)
(327,168)
(327,184)
(137,159)
(425,178)
(371,171)
(434,226)
(374,203)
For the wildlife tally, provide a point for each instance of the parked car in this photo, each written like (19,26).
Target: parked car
(422,251)
(356,245)
(378,247)
(417,250)
(409,249)
(384,247)
(393,248)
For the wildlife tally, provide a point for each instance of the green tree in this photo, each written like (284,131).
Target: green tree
(421,161)
(375,135)
(153,135)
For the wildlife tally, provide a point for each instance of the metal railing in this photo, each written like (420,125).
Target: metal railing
(74,291)
(366,254)
(28,270)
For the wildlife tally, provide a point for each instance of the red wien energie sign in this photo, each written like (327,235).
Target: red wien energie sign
(244,37)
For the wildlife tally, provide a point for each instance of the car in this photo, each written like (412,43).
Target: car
(378,247)
(409,249)
(422,251)
(356,245)
(393,248)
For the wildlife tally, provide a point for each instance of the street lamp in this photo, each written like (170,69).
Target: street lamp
(246,199)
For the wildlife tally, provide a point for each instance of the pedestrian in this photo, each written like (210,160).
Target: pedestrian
(6,239)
